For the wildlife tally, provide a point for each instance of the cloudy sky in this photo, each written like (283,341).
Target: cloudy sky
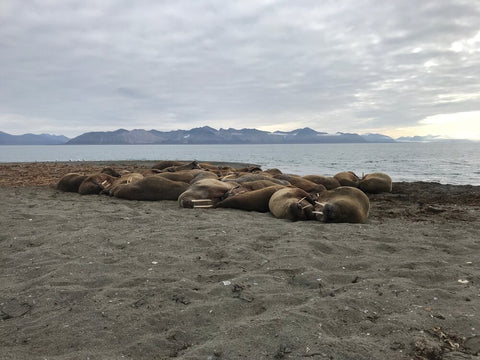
(403,67)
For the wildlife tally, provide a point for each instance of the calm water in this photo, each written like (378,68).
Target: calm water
(442,162)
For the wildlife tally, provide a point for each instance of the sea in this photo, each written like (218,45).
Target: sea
(442,162)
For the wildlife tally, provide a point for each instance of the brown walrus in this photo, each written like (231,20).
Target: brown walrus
(250,169)
(375,183)
(292,203)
(190,166)
(203,175)
(258,184)
(273,171)
(241,178)
(304,184)
(328,181)
(125,179)
(167,163)
(343,204)
(182,175)
(71,182)
(204,193)
(96,183)
(347,178)
(255,200)
(211,167)
(151,188)
(110,171)
(248,186)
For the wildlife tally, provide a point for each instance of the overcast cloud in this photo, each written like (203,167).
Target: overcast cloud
(68,67)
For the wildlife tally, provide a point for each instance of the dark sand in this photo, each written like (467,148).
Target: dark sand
(94,277)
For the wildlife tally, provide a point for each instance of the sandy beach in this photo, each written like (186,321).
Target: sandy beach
(96,277)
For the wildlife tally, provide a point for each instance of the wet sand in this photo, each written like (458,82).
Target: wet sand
(95,277)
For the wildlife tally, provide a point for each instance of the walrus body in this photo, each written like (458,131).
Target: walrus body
(166,164)
(300,182)
(291,203)
(255,200)
(347,178)
(200,175)
(273,171)
(241,178)
(258,184)
(182,175)
(208,192)
(96,183)
(151,188)
(328,181)
(343,204)
(110,171)
(250,169)
(190,166)
(375,183)
(71,182)
(128,178)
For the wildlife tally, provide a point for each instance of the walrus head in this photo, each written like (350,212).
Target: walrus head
(301,210)
(110,171)
(340,211)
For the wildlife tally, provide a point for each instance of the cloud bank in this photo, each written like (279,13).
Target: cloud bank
(74,66)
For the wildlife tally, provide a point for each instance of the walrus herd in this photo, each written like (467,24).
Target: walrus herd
(341,198)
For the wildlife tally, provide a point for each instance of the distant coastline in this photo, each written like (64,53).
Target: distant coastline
(206,135)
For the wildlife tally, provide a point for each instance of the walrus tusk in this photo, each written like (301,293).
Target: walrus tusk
(306,206)
(319,203)
(302,199)
(202,206)
(201,200)
(317,212)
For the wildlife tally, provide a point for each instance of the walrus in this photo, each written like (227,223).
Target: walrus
(292,203)
(258,184)
(203,175)
(182,175)
(250,169)
(204,193)
(151,188)
(273,171)
(71,182)
(96,183)
(375,183)
(167,163)
(247,186)
(208,166)
(110,171)
(241,178)
(128,178)
(343,204)
(328,181)
(255,200)
(347,178)
(218,170)
(304,184)
(190,166)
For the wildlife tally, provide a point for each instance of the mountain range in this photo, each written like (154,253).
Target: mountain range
(32,139)
(208,135)
(204,135)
